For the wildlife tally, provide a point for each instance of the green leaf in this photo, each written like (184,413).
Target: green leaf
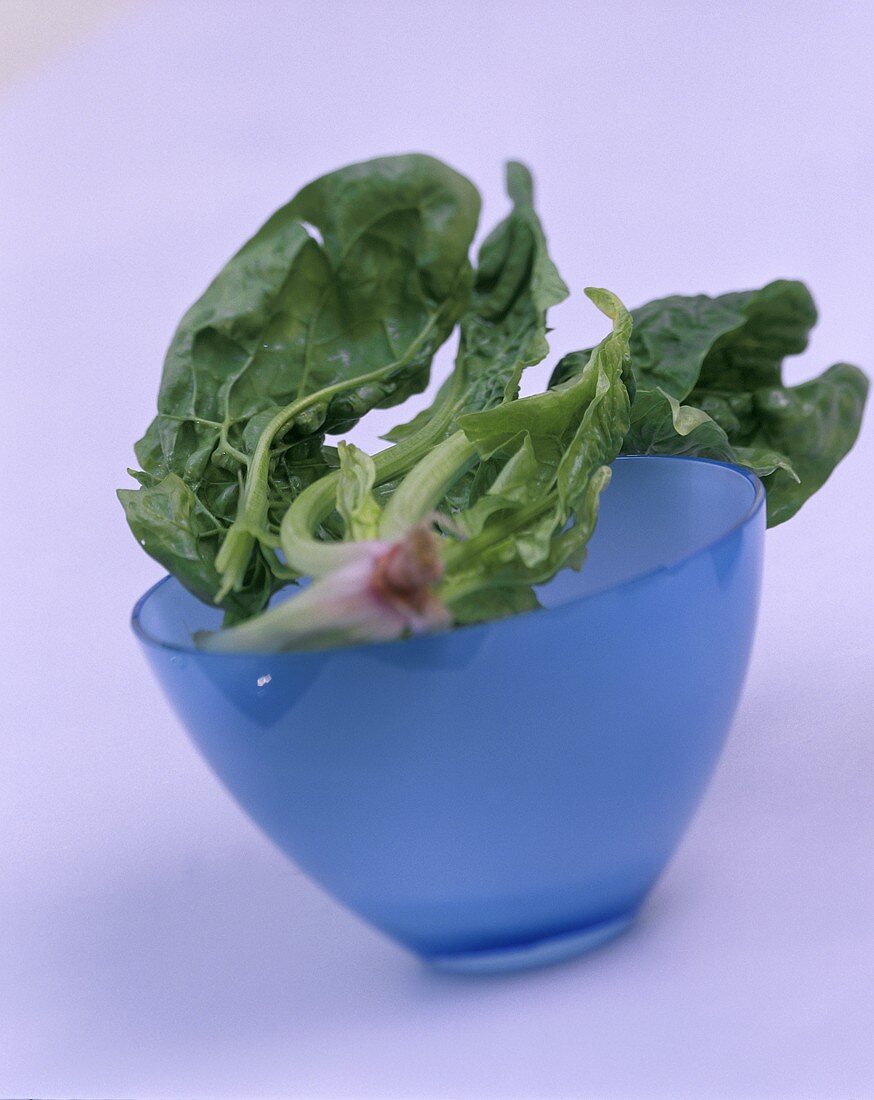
(553,451)
(605,421)
(504,330)
(776,322)
(378,296)
(741,338)
(661,425)
(334,307)
(723,356)
(291,314)
(672,337)
(793,436)
(813,426)
(518,472)
(554,418)
(171,525)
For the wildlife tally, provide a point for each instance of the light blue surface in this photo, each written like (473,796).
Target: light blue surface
(498,795)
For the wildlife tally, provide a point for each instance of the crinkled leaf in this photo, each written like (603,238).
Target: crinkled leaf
(560,419)
(504,329)
(776,322)
(740,338)
(365,267)
(554,451)
(813,426)
(348,290)
(171,525)
(723,357)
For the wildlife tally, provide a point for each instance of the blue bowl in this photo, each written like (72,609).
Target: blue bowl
(502,795)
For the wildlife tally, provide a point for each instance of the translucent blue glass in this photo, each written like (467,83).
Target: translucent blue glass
(502,795)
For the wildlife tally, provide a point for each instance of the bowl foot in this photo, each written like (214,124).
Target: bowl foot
(526,956)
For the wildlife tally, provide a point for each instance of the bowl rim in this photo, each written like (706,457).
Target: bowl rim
(751,512)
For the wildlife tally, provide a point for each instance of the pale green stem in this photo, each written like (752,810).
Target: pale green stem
(314,557)
(291,624)
(425,486)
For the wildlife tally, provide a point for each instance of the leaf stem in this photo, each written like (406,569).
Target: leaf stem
(251,520)
(425,485)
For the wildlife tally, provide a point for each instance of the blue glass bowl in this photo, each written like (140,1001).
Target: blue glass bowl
(502,795)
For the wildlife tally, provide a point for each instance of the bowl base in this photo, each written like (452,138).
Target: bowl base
(526,956)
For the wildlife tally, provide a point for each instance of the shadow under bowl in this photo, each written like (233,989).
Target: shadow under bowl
(502,795)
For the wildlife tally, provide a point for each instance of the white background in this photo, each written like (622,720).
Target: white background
(152,944)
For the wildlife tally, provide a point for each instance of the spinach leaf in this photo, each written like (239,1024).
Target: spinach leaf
(554,451)
(724,357)
(334,307)
(170,523)
(504,329)
(813,425)
(802,431)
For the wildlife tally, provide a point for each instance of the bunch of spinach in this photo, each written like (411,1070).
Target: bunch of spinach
(336,307)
